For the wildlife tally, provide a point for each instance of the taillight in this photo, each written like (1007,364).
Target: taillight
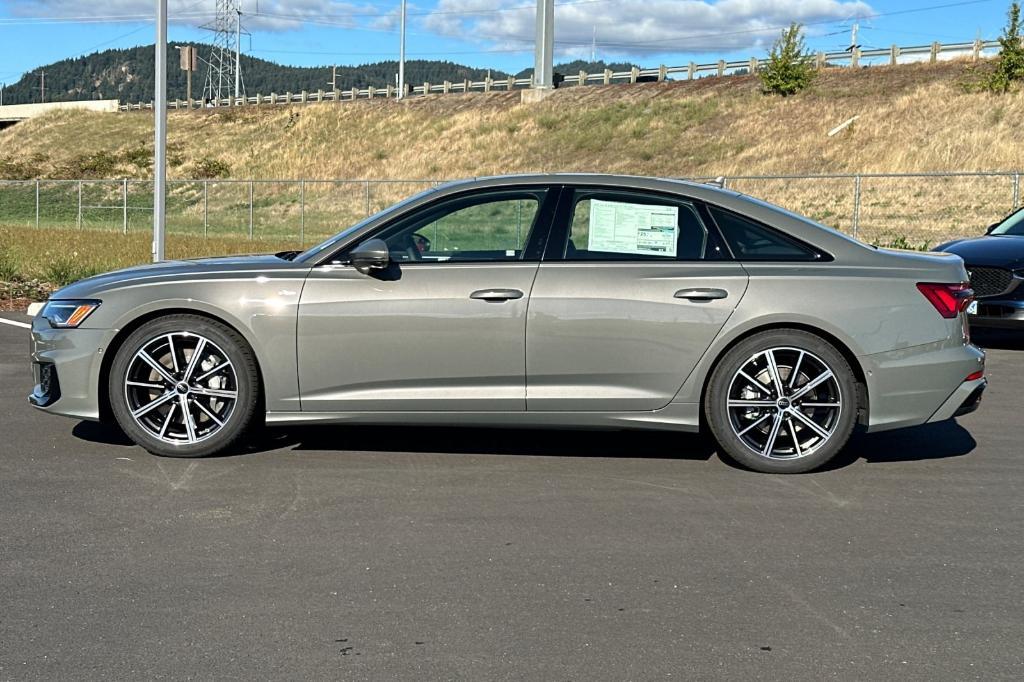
(949,299)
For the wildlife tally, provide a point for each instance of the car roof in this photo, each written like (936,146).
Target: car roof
(675,185)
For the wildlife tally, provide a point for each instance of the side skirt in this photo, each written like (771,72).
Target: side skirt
(674,417)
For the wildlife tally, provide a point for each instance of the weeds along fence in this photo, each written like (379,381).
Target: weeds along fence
(918,210)
(855,58)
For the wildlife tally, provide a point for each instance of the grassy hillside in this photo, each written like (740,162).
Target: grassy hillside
(912,119)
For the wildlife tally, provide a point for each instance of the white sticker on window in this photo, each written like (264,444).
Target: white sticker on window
(633,228)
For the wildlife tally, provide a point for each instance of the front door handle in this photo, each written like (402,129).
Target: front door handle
(496,295)
(702,294)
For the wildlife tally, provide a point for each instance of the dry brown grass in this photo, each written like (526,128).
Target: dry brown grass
(913,118)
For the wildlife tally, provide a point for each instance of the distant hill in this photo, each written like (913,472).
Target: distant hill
(127,75)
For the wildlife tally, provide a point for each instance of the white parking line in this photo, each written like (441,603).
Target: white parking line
(24,325)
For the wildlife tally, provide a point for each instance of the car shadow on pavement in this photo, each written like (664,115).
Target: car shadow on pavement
(493,441)
(931,441)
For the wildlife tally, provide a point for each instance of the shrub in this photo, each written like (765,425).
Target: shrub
(8,269)
(1010,65)
(209,169)
(62,271)
(789,69)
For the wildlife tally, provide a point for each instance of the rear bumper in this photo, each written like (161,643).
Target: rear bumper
(918,385)
(965,399)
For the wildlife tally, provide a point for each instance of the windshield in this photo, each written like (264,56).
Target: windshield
(331,241)
(1014,225)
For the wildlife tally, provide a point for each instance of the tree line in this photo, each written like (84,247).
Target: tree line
(127,75)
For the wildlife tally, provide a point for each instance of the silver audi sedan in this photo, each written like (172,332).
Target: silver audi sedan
(587,301)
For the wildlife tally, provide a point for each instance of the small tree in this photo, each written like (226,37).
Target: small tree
(1010,65)
(789,69)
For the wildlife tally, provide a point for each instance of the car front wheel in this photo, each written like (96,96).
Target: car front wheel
(184,386)
(782,401)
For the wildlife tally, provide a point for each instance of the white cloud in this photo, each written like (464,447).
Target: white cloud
(640,27)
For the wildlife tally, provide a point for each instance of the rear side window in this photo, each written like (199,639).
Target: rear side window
(752,241)
(612,226)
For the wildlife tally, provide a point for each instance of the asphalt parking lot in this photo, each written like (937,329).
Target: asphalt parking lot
(376,553)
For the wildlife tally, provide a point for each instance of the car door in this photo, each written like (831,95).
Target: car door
(443,327)
(633,288)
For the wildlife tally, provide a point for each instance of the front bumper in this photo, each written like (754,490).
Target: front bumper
(66,369)
(998,315)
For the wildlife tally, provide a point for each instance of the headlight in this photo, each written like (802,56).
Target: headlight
(68,314)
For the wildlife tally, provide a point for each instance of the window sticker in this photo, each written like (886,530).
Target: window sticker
(641,229)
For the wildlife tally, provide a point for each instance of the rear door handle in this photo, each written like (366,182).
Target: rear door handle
(702,294)
(497,295)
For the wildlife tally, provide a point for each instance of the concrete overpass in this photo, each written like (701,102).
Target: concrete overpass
(13,113)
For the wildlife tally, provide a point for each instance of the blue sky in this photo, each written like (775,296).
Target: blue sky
(490,33)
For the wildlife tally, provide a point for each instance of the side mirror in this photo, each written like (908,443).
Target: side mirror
(371,255)
(992,227)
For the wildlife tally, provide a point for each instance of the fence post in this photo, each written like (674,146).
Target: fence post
(250,209)
(302,212)
(662,73)
(855,58)
(936,48)
(206,208)
(894,55)
(977,49)
(79,204)
(634,73)
(367,193)
(124,204)
(583,77)
(1016,189)
(754,63)
(721,67)
(691,72)
(856,205)
(37,203)
(820,61)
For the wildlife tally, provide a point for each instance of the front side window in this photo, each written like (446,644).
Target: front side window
(751,241)
(607,226)
(474,229)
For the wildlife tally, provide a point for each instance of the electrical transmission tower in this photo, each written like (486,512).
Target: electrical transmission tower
(223,68)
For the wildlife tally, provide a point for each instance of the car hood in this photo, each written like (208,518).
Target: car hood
(1006,251)
(204,268)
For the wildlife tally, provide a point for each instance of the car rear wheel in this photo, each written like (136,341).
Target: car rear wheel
(184,386)
(782,401)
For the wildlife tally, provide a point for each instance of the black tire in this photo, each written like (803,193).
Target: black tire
(730,429)
(245,383)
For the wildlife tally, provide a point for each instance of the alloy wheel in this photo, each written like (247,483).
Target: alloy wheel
(784,403)
(181,388)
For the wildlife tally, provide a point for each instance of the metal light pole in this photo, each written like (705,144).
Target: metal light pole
(160,141)
(401,54)
(544,50)
(238,53)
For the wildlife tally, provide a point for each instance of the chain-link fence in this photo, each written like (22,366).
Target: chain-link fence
(905,209)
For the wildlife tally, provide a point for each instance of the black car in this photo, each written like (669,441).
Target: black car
(995,264)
